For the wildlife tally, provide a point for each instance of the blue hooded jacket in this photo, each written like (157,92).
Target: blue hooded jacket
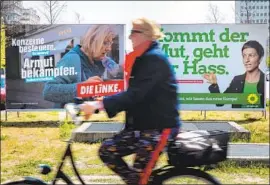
(63,89)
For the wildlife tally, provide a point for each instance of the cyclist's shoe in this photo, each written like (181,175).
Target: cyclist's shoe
(132,179)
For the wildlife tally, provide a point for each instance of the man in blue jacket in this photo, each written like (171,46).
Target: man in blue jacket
(150,102)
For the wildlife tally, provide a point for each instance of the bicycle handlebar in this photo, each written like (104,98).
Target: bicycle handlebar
(73,109)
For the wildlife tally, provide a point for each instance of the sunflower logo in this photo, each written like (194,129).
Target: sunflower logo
(252,99)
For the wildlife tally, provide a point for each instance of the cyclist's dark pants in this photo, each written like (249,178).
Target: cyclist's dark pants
(147,145)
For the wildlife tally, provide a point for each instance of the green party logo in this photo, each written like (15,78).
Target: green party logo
(252,99)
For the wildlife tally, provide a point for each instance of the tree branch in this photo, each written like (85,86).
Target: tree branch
(52,10)
(214,14)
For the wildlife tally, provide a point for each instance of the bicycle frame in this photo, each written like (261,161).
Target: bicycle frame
(68,153)
(60,174)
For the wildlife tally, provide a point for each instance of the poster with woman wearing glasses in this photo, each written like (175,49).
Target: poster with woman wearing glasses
(47,65)
(91,62)
(252,81)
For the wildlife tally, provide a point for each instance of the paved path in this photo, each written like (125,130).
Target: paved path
(249,151)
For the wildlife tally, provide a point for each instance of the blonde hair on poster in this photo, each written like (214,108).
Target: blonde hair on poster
(93,40)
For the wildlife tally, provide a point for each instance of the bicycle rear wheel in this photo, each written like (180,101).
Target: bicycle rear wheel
(185,176)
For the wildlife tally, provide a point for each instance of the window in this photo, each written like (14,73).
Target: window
(261,14)
(265,14)
(257,21)
(258,14)
(242,14)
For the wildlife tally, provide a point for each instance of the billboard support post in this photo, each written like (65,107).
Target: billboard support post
(264,114)
(6,115)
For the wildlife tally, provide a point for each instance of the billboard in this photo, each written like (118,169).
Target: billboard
(218,66)
(46,63)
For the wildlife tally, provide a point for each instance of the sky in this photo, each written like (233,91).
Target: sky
(122,12)
(125,11)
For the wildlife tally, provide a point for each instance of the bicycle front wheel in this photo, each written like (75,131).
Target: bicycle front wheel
(185,176)
(24,182)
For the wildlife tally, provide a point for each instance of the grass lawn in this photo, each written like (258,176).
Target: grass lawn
(26,142)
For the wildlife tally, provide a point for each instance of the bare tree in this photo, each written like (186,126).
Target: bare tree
(78,17)
(52,10)
(247,12)
(237,16)
(215,15)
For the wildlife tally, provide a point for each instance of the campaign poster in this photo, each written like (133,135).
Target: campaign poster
(45,63)
(218,66)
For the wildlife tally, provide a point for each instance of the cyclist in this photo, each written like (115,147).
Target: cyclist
(150,102)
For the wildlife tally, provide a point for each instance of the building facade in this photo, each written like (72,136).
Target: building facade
(252,11)
(15,13)
(29,16)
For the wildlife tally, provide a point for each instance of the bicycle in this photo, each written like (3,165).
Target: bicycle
(159,176)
